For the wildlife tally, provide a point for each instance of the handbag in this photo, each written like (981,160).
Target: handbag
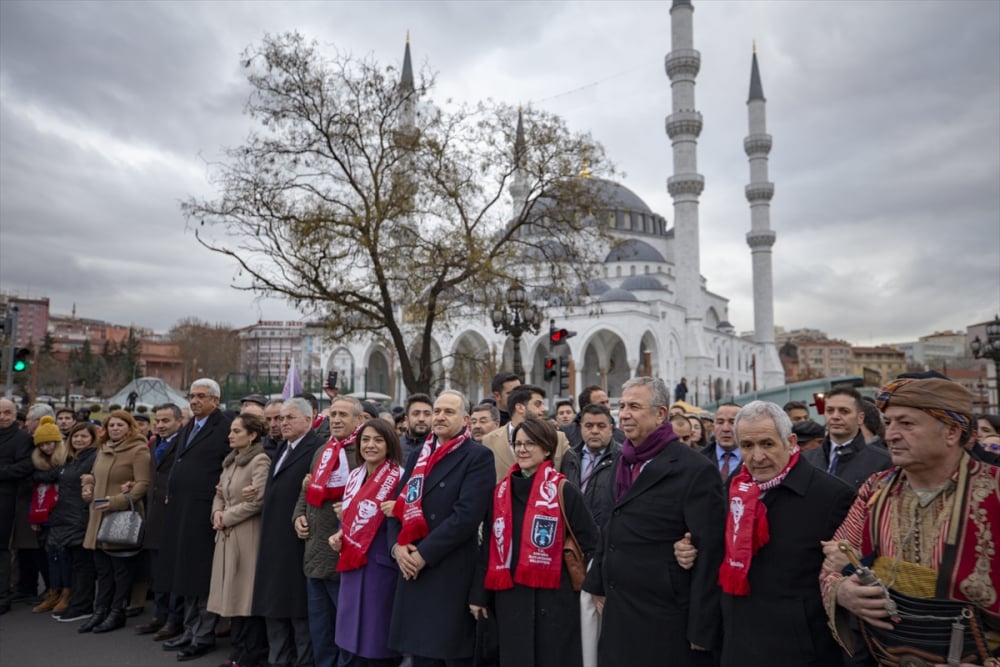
(122,528)
(572,553)
(487,647)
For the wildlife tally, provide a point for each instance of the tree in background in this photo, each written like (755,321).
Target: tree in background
(208,350)
(385,216)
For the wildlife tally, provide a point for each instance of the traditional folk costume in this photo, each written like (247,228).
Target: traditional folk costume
(933,549)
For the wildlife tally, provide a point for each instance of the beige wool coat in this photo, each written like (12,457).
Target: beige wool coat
(235,558)
(115,465)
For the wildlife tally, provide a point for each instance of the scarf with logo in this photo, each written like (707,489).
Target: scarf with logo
(409,506)
(363,514)
(539,558)
(329,476)
(746,526)
(43,499)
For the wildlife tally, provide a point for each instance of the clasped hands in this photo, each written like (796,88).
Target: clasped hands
(409,560)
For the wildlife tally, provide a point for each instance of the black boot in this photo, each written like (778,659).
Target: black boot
(96,619)
(115,620)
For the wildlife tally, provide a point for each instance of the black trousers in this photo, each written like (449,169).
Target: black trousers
(84,576)
(114,580)
(7,503)
(249,637)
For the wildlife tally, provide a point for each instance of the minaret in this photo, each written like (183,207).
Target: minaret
(406,88)
(760,238)
(683,126)
(519,186)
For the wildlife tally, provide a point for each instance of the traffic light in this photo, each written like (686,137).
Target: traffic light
(558,336)
(22,359)
(563,376)
(550,368)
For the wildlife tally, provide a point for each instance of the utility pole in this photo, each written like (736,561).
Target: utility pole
(10,328)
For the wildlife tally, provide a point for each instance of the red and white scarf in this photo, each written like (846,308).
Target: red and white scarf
(540,555)
(329,476)
(746,526)
(363,511)
(43,499)
(409,507)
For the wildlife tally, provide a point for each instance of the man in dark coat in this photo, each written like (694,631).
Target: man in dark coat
(598,455)
(430,618)
(803,506)
(419,411)
(722,450)
(590,395)
(168,620)
(15,467)
(279,589)
(654,611)
(184,563)
(844,453)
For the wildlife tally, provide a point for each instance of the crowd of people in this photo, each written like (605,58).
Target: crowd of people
(450,534)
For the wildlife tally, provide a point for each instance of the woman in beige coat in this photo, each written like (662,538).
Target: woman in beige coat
(122,461)
(237,537)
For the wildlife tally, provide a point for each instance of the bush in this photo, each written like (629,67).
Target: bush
(113,407)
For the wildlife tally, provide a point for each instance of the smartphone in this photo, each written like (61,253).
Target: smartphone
(102,502)
(331,380)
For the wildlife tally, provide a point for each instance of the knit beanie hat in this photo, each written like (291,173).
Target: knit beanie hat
(47,431)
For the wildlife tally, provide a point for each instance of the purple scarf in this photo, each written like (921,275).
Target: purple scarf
(632,458)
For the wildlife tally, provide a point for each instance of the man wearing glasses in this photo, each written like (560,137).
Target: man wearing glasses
(652,607)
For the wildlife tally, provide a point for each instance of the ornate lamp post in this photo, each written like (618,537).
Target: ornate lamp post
(990,349)
(518,318)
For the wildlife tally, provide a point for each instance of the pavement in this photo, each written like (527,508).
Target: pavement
(38,640)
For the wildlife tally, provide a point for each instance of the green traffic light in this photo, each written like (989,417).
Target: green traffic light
(20,365)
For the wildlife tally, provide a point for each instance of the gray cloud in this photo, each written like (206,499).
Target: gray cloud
(886,151)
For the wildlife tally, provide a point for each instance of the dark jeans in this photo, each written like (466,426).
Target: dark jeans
(114,580)
(322,600)
(249,637)
(84,577)
(60,568)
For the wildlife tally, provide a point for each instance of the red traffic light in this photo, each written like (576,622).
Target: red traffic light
(550,363)
(558,336)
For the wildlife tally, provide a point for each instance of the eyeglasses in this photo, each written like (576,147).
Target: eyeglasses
(520,444)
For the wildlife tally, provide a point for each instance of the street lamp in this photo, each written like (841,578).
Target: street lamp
(518,318)
(990,349)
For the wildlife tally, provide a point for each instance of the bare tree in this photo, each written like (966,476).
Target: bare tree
(381,214)
(208,350)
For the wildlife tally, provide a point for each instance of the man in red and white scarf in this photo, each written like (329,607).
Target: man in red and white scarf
(780,508)
(444,495)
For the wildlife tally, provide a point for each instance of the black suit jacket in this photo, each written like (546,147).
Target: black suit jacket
(279,589)
(782,621)
(854,465)
(650,596)
(430,614)
(184,564)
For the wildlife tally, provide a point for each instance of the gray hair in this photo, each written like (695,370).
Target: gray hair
(356,406)
(39,410)
(208,383)
(488,407)
(465,401)
(300,404)
(657,388)
(274,401)
(758,410)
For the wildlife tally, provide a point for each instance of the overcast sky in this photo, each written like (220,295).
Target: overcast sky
(885,118)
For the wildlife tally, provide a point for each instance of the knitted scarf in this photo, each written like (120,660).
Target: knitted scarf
(329,477)
(745,538)
(631,461)
(363,511)
(539,558)
(409,507)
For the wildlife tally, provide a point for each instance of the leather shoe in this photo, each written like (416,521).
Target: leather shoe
(176,644)
(149,628)
(168,631)
(194,651)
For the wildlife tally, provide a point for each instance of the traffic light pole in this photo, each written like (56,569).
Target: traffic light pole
(8,358)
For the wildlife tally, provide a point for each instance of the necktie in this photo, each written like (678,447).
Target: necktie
(588,472)
(835,459)
(724,468)
(194,432)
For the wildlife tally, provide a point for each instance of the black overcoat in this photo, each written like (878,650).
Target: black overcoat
(855,464)
(538,627)
(782,621)
(156,510)
(69,517)
(654,608)
(279,587)
(430,614)
(184,563)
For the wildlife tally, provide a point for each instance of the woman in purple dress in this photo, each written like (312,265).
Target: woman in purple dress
(367,573)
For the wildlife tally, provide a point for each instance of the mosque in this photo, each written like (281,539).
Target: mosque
(657,314)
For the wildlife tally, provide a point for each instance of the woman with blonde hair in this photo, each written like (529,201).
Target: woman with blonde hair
(122,462)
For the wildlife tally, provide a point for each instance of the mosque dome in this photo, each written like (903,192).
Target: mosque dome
(634,250)
(633,283)
(593,287)
(616,294)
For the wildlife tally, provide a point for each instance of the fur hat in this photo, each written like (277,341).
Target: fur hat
(47,431)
